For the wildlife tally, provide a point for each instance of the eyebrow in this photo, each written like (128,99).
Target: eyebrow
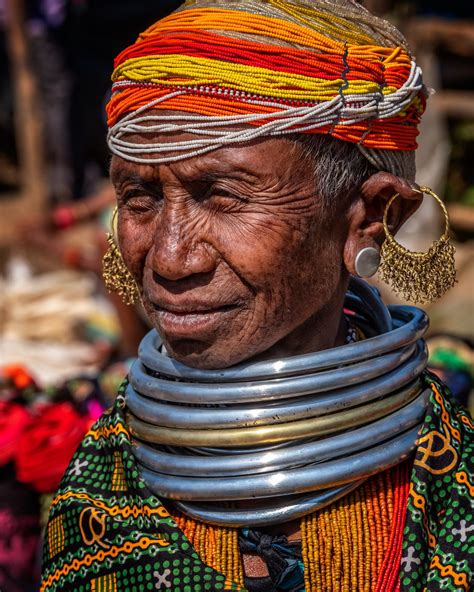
(122,176)
(237,174)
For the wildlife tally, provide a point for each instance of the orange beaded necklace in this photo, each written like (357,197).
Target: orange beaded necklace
(355,544)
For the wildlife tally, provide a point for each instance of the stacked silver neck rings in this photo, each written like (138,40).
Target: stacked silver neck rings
(285,437)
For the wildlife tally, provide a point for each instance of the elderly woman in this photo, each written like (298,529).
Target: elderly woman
(279,430)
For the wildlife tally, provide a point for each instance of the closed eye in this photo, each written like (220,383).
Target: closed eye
(220,192)
(139,200)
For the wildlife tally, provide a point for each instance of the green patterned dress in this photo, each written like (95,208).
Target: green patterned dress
(108,532)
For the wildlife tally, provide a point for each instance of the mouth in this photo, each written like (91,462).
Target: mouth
(192,320)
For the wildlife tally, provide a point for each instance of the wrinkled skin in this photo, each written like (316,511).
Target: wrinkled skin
(236,257)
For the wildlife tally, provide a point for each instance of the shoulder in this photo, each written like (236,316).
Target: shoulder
(439,536)
(444,459)
(102,511)
(107,531)
(447,422)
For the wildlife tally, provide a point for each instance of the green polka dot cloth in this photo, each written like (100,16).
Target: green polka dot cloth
(107,531)
(438,545)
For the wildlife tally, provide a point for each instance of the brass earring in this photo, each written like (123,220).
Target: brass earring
(418,277)
(117,277)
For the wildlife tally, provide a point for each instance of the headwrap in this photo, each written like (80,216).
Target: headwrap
(241,69)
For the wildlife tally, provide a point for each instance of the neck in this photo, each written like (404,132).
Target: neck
(325,329)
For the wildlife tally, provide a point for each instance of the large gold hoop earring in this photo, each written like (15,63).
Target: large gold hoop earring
(117,277)
(418,277)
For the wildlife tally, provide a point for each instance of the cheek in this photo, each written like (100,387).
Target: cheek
(135,240)
(302,271)
(319,260)
(259,246)
(277,257)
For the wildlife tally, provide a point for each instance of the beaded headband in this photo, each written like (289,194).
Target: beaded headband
(234,76)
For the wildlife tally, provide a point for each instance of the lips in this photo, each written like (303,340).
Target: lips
(192,308)
(192,318)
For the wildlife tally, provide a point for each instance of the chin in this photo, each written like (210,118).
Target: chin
(202,355)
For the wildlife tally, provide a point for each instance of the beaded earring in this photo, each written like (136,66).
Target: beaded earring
(418,277)
(117,277)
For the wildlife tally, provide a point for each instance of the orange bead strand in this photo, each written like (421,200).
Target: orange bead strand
(354,545)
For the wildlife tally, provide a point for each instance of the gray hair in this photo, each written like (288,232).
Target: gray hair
(338,167)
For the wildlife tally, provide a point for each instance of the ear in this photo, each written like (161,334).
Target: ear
(367,210)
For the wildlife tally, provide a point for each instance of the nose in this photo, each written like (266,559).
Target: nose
(179,248)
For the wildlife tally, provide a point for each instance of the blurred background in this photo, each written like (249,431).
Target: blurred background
(65,344)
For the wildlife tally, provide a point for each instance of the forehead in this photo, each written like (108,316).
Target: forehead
(262,158)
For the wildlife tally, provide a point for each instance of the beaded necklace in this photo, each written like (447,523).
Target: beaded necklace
(354,544)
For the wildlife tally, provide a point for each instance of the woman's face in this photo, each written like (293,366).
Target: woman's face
(234,252)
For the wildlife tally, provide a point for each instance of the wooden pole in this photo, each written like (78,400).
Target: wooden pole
(28,129)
